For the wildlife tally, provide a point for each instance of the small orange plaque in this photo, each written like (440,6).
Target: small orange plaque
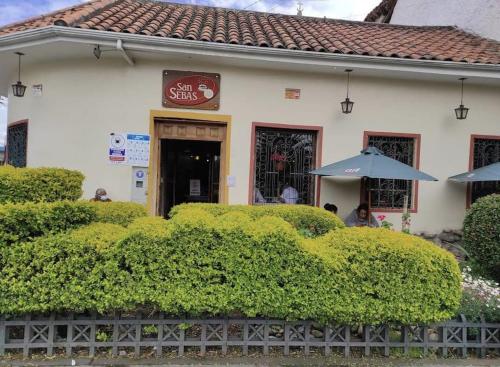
(292,93)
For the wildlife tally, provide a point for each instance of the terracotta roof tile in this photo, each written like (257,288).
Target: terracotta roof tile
(248,28)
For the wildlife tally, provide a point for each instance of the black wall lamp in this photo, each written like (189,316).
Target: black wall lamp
(347,104)
(19,88)
(461,111)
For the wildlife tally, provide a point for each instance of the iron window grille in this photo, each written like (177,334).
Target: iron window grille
(283,158)
(390,193)
(17,142)
(486,152)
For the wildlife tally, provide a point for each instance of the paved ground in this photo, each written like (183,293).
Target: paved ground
(257,362)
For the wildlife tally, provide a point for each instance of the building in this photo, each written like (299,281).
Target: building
(476,16)
(236,104)
(2,154)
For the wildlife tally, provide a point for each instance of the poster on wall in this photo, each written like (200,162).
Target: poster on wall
(117,148)
(129,149)
(190,89)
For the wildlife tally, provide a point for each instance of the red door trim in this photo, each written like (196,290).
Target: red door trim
(418,138)
(319,150)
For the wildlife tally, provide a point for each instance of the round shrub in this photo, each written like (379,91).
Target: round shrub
(116,212)
(307,219)
(18,185)
(482,234)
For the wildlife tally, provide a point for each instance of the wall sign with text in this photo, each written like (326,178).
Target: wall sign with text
(189,89)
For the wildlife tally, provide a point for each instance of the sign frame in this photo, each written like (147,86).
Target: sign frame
(209,96)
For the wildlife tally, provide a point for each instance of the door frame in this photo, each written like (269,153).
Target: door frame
(154,154)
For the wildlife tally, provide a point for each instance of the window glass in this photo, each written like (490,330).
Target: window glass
(388,193)
(17,136)
(283,159)
(486,152)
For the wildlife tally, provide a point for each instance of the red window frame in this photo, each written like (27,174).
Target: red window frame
(473,138)
(319,150)
(16,123)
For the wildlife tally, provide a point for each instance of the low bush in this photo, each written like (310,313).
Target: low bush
(307,219)
(197,264)
(116,212)
(396,276)
(25,221)
(70,271)
(480,298)
(482,235)
(18,185)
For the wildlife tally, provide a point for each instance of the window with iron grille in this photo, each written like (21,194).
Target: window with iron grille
(17,138)
(486,152)
(389,193)
(283,159)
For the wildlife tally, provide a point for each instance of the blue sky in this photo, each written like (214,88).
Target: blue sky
(17,10)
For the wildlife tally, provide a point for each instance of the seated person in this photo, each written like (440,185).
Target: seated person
(331,208)
(101,195)
(361,217)
(290,195)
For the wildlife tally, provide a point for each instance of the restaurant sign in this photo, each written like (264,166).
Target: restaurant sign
(188,89)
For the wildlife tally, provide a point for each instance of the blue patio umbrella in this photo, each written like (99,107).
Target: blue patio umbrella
(486,173)
(372,163)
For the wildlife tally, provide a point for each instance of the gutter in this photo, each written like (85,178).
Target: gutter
(119,47)
(142,43)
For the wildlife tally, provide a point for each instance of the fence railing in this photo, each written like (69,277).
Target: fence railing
(156,335)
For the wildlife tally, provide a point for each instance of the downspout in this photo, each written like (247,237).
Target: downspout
(119,47)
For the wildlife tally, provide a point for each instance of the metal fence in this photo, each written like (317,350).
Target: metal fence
(156,335)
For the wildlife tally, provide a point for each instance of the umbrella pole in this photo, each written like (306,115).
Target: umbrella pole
(368,184)
(404,222)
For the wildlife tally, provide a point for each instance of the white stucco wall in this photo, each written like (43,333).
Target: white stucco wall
(477,16)
(84,100)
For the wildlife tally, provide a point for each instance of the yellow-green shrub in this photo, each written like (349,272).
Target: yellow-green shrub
(70,271)
(122,213)
(303,217)
(397,277)
(197,264)
(39,184)
(25,221)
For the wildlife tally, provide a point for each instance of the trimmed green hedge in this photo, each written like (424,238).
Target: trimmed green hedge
(61,272)
(306,219)
(197,264)
(482,235)
(18,185)
(116,212)
(25,221)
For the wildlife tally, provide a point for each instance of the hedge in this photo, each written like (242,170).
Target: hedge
(26,221)
(122,213)
(19,185)
(61,272)
(482,235)
(197,264)
(306,219)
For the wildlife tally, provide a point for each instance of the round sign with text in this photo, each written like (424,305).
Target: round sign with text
(191,90)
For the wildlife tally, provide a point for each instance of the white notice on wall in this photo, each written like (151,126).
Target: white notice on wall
(194,188)
(131,149)
(138,150)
